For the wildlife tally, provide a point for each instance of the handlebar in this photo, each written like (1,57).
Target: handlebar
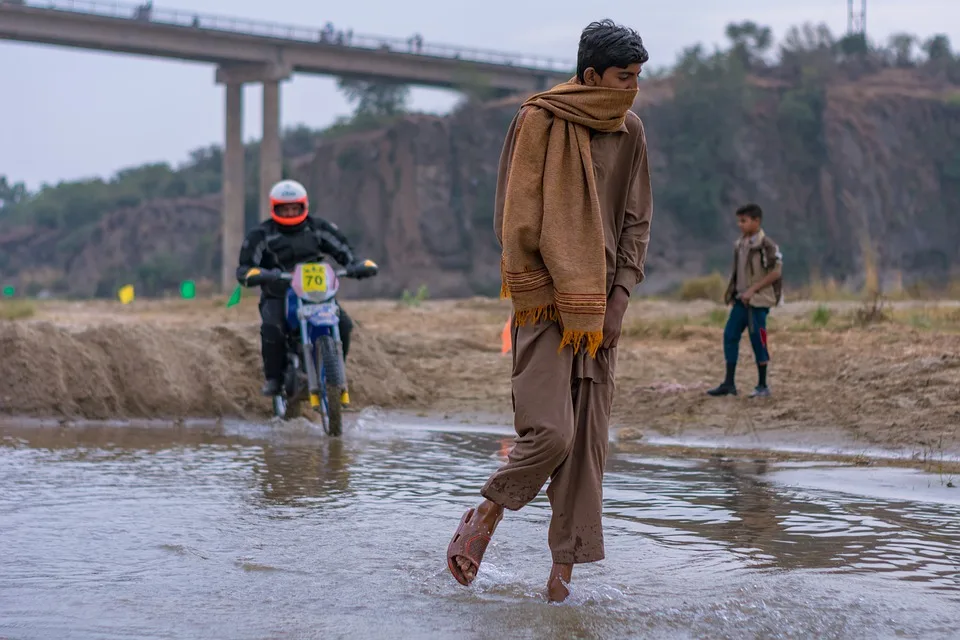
(255,276)
(341,273)
(289,276)
(367,268)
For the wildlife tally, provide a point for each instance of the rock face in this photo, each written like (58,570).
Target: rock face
(885,176)
(152,245)
(880,177)
(418,197)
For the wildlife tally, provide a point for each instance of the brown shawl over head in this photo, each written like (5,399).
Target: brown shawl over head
(553,264)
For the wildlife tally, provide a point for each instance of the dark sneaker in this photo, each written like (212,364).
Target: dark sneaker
(272,388)
(760,392)
(723,390)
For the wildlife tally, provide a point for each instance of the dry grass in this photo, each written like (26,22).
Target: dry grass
(822,290)
(16,309)
(711,287)
(872,311)
(819,289)
(838,317)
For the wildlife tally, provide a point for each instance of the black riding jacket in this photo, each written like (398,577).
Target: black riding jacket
(275,246)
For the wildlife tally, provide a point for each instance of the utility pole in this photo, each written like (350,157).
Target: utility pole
(857,20)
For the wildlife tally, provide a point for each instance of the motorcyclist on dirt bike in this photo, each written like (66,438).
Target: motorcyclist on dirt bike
(277,245)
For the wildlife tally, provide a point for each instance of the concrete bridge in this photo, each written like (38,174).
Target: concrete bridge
(246,51)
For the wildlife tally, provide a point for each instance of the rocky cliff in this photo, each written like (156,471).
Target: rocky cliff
(879,172)
(851,166)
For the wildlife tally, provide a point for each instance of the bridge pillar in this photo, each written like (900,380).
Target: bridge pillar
(271,157)
(232,226)
(271,167)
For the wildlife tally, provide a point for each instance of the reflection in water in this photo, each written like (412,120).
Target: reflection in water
(770,527)
(250,531)
(298,475)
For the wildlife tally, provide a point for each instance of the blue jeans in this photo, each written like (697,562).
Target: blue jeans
(754,320)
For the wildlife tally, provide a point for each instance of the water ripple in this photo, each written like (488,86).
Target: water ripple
(257,531)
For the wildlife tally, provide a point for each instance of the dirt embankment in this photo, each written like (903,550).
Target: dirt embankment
(94,361)
(896,383)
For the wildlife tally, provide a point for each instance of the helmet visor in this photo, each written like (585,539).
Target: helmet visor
(288,210)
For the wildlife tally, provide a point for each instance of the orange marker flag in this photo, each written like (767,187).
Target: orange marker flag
(506,341)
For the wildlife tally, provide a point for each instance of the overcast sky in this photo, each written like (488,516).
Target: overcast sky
(69,113)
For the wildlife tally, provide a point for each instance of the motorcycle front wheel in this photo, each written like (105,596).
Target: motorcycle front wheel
(330,401)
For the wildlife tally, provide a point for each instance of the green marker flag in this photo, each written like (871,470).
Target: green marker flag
(235,297)
(8,291)
(188,289)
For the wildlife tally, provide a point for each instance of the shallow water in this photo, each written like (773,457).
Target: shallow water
(265,531)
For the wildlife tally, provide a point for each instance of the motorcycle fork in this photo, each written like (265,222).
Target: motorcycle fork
(344,389)
(309,357)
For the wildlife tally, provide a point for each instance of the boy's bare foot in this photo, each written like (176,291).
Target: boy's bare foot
(471,539)
(560,576)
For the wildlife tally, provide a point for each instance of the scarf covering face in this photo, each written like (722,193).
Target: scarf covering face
(553,265)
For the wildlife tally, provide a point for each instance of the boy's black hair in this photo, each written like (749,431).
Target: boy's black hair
(751,211)
(605,44)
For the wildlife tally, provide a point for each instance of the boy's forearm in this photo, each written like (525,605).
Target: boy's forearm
(768,279)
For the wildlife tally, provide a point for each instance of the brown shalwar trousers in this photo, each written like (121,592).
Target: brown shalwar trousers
(561,403)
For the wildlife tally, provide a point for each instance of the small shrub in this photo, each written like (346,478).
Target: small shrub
(673,328)
(718,317)
(952,291)
(821,316)
(415,299)
(825,290)
(711,287)
(16,309)
(872,311)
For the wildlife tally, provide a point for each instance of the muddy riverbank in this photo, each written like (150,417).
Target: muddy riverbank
(893,383)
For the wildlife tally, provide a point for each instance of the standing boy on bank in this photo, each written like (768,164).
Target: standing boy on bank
(755,286)
(572,216)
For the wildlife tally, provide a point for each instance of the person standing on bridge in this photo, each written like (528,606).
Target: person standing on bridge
(572,214)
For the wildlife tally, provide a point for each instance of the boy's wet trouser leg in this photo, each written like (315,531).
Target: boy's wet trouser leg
(736,323)
(273,346)
(758,334)
(754,320)
(562,407)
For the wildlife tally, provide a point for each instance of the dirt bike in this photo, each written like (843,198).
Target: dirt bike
(315,366)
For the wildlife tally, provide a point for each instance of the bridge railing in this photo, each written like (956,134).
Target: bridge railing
(320,35)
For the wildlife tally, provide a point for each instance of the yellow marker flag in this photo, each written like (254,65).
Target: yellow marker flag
(126,294)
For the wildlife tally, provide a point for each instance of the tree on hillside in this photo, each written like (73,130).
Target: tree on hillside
(750,42)
(853,46)
(938,49)
(375,99)
(299,141)
(11,194)
(901,47)
(808,50)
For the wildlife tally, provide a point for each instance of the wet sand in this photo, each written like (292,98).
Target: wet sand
(256,530)
(890,385)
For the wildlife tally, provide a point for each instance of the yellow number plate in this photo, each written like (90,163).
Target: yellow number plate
(313,277)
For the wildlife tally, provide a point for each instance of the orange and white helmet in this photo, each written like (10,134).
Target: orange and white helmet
(289,192)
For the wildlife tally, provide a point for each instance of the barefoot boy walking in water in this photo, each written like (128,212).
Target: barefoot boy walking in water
(572,216)
(754,288)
